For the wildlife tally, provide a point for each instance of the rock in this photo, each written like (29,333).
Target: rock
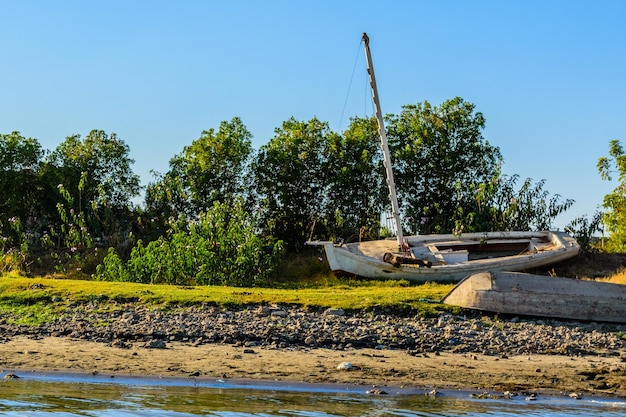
(376,391)
(508,395)
(127,324)
(156,344)
(344,366)
(334,312)
(120,344)
(263,311)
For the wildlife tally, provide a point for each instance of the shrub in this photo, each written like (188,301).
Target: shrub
(582,229)
(220,247)
(614,216)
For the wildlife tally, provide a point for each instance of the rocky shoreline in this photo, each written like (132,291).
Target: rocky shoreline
(125,325)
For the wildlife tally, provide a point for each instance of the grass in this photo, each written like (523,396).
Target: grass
(304,281)
(602,266)
(618,277)
(24,291)
(37,300)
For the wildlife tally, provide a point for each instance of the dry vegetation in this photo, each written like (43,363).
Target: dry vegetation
(610,267)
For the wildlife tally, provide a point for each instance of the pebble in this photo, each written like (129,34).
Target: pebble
(334,312)
(125,325)
(508,395)
(376,391)
(156,344)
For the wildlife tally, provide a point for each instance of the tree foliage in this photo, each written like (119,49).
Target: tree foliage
(55,204)
(614,216)
(20,159)
(584,229)
(216,215)
(214,168)
(290,177)
(220,247)
(109,179)
(439,157)
(356,187)
(499,205)
(97,173)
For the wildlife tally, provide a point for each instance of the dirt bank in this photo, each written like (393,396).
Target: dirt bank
(381,368)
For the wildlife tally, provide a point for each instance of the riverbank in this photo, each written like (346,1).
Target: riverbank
(386,370)
(290,344)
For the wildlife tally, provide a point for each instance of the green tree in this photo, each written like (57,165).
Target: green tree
(20,214)
(356,187)
(614,216)
(500,205)
(290,178)
(165,199)
(583,229)
(439,157)
(214,168)
(97,174)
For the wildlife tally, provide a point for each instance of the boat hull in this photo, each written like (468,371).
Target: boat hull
(541,296)
(446,252)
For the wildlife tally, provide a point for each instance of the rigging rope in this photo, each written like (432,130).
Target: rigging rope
(345,102)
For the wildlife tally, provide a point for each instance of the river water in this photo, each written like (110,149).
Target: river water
(65,395)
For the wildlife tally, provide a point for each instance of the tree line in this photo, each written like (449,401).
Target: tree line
(225,213)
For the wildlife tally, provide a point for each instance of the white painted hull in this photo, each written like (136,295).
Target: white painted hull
(542,296)
(365,258)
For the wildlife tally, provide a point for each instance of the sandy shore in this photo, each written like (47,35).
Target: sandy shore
(560,374)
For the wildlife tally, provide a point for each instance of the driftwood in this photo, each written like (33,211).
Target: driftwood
(398,260)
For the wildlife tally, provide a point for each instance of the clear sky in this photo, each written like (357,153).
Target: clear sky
(549,76)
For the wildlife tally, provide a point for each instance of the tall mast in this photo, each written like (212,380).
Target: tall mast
(395,209)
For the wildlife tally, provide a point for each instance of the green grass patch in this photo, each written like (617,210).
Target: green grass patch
(41,299)
(29,314)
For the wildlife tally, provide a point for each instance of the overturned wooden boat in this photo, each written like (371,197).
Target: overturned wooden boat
(541,296)
(449,257)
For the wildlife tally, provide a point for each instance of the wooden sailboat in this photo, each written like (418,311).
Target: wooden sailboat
(542,296)
(449,257)
(440,257)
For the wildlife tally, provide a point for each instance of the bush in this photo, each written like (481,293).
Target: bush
(582,229)
(219,248)
(614,216)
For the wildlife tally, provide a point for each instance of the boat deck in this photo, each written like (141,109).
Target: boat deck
(455,250)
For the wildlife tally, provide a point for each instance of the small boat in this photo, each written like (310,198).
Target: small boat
(440,257)
(542,296)
(446,258)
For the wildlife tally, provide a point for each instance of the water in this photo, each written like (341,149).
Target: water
(99,396)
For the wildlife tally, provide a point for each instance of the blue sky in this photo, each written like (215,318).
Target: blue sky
(549,76)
